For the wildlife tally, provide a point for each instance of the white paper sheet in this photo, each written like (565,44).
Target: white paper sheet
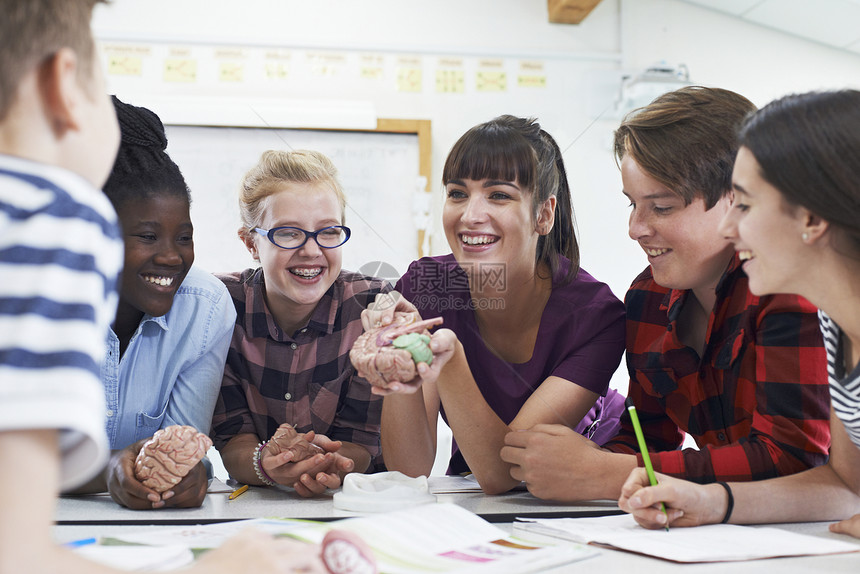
(452,484)
(440,538)
(214,535)
(712,543)
(138,558)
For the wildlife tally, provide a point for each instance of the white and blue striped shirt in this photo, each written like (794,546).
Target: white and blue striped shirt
(844,387)
(60,253)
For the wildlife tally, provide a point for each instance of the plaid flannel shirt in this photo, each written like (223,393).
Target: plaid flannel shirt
(756,402)
(303,378)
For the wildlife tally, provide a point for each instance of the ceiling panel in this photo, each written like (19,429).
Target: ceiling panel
(736,7)
(832,22)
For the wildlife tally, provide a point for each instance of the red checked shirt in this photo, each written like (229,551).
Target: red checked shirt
(756,402)
(303,378)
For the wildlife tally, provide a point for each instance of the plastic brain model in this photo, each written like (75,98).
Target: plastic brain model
(286,438)
(345,552)
(386,354)
(169,455)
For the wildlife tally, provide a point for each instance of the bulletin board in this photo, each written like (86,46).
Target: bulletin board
(385,174)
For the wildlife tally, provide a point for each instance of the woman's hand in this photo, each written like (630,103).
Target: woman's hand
(381,311)
(443,345)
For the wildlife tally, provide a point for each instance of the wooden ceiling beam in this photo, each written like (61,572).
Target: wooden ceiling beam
(570,11)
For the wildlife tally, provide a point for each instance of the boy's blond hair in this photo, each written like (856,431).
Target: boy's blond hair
(33,30)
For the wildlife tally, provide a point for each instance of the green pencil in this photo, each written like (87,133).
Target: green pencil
(640,438)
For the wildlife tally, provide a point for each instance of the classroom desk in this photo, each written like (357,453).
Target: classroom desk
(85,516)
(267,502)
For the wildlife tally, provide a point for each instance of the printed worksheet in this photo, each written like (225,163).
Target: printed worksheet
(442,538)
(711,543)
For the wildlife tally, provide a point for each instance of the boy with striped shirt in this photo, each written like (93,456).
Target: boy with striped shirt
(60,254)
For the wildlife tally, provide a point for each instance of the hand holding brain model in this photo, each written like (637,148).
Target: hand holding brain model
(390,353)
(286,438)
(169,455)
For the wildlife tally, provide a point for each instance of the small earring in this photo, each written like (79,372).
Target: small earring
(804,236)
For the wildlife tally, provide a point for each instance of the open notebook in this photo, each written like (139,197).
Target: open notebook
(439,538)
(712,543)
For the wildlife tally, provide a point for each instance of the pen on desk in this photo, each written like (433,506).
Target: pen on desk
(237,492)
(640,438)
(78,543)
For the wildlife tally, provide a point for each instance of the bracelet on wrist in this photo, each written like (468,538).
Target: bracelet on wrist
(258,465)
(731,504)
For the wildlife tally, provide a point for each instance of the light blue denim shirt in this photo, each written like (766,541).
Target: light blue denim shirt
(171,371)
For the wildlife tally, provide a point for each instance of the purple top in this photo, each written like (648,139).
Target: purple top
(580,339)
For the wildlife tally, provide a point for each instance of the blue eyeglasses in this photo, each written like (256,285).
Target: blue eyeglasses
(295,237)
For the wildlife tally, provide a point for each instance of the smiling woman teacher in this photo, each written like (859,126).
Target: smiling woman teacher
(528,336)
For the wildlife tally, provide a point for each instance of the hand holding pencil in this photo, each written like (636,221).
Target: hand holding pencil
(656,500)
(687,503)
(643,448)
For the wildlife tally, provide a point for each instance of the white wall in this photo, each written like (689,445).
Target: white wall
(581,63)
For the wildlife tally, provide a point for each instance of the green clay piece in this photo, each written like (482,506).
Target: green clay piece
(418,346)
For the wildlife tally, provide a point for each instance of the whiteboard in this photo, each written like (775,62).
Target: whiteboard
(379,172)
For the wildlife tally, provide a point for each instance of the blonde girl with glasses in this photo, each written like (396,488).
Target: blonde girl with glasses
(292,411)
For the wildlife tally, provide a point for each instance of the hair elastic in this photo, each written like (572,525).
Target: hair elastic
(731,504)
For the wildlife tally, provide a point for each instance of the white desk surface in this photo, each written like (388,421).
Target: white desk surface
(260,502)
(86,516)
